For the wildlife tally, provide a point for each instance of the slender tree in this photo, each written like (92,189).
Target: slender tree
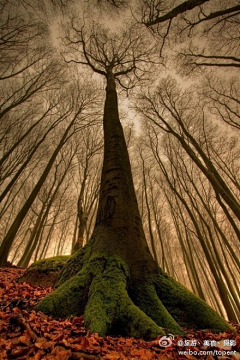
(48,200)
(114,279)
(88,163)
(222,96)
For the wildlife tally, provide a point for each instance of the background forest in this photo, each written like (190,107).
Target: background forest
(181,120)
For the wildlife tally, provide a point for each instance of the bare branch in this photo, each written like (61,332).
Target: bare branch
(126,54)
(155,18)
(216,14)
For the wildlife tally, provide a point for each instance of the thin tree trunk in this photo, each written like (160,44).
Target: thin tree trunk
(207,249)
(153,247)
(82,216)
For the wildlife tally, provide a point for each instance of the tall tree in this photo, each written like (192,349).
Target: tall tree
(114,279)
(49,196)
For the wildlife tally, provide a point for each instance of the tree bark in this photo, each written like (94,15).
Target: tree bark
(118,213)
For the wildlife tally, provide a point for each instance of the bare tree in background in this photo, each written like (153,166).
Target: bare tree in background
(21,44)
(223,96)
(47,196)
(87,180)
(169,112)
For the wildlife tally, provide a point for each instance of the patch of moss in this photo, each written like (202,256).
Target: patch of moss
(68,299)
(100,289)
(44,272)
(185,307)
(74,264)
(53,263)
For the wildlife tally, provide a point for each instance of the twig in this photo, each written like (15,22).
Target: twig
(19,320)
(83,356)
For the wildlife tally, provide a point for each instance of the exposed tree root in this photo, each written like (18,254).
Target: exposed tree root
(113,304)
(186,308)
(145,296)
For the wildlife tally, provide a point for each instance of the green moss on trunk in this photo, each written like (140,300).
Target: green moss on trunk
(75,264)
(144,295)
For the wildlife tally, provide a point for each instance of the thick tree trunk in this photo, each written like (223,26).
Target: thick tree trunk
(118,228)
(114,279)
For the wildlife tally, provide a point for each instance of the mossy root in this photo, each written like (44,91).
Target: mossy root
(68,299)
(109,308)
(186,308)
(113,303)
(144,295)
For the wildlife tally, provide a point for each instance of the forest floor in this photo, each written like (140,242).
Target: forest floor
(26,334)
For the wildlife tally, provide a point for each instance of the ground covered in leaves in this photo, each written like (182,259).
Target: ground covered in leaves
(26,334)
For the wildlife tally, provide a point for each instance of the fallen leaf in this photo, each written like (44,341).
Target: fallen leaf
(144,354)
(113,355)
(38,356)
(3,355)
(5,344)
(42,343)
(60,353)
